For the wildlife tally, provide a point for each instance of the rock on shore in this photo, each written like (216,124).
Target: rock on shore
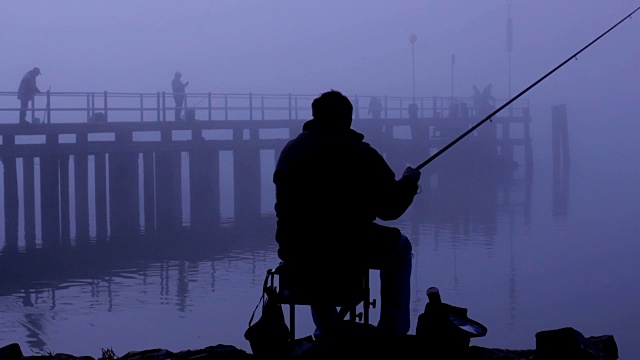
(362,342)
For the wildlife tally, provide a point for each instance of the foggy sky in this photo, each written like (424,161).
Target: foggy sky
(304,47)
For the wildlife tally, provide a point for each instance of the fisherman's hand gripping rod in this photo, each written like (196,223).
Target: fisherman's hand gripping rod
(491,115)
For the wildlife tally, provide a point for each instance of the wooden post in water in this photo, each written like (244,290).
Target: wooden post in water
(149,192)
(561,160)
(28,181)
(50,194)
(81,190)
(11,200)
(100,172)
(560,135)
(124,203)
(246,176)
(204,177)
(168,187)
(65,213)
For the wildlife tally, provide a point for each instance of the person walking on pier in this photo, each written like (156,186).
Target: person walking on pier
(27,91)
(331,186)
(178,88)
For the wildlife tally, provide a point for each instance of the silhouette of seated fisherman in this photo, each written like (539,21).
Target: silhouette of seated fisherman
(331,189)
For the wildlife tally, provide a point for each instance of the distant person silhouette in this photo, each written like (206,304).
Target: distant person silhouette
(27,91)
(178,88)
(331,187)
(375,107)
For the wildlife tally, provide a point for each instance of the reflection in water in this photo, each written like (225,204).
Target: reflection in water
(143,271)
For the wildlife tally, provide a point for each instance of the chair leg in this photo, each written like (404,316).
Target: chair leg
(292,322)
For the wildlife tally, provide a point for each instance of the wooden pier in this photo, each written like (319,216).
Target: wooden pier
(128,175)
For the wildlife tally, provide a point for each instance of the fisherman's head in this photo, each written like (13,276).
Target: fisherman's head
(36,71)
(333,109)
(178,75)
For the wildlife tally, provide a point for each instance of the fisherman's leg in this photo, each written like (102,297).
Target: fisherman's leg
(24,105)
(324,317)
(179,103)
(395,288)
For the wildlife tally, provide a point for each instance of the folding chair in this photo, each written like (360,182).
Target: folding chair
(299,286)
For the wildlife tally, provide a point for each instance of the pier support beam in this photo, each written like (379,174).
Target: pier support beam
(204,174)
(81,191)
(65,212)
(100,172)
(28,181)
(50,195)
(168,187)
(149,181)
(124,203)
(246,177)
(11,201)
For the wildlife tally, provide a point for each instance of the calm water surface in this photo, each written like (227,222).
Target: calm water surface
(522,256)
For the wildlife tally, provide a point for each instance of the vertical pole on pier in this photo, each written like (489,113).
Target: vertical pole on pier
(141,107)
(250,106)
(158,105)
(48,106)
(295,103)
(65,209)
(88,106)
(50,194)
(11,199)
(290,116)
(386,112)
(106,105)
(356,107)
(100,172)
(164,106)
(81,191)
(28,179)
(149,192)
(93,103)
(226,107)
(209,105)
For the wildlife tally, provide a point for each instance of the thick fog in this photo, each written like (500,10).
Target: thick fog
(363,48)
(358,47)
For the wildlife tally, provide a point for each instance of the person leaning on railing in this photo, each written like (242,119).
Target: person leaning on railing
(27,91)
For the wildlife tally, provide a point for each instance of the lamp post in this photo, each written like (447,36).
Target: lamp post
(412,40)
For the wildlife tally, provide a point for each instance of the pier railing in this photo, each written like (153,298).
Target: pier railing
(73,107)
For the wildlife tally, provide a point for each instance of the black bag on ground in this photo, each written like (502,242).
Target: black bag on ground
(269,335)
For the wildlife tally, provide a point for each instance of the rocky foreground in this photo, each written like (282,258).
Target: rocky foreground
(363,342)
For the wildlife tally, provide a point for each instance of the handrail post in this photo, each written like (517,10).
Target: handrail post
(421,107)
(158,105)
(209,101)
(164,106)
(226,107)
(93,103)
(386,115)
(48,106)
(262,106)
(289,106)
(250,106)
(295,103)
(401,112)
(141,107)
(33,109)
(356,106)
(88,106)
(105,106)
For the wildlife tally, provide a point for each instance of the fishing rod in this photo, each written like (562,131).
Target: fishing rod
(492,114)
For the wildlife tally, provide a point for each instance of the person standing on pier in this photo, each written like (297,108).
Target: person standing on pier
(331,187)
(178,88)
(27,91)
